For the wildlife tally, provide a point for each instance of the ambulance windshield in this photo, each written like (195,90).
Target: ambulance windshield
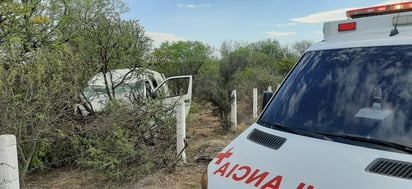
(365,92)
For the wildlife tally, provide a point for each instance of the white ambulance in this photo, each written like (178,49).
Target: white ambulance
(342,118)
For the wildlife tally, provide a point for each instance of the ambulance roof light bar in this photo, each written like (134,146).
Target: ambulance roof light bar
(379,10)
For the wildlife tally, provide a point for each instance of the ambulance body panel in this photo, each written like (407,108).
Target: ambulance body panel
(342,118)
(300,163)
(370,31)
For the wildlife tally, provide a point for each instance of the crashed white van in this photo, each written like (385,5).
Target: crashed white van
(127,85)
(341,119)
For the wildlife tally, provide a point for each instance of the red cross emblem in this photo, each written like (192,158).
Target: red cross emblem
(223,156)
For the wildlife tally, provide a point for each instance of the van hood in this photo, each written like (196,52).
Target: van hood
(270,159)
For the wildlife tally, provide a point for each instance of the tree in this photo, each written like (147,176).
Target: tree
(116,44)
(243,67)
(182,57)
(299,47)
(36,97)
(268,47)
(284,65)
(26,26)
(49,51)
(103,40)
(36,83)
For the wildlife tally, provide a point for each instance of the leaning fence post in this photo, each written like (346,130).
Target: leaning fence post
(181,129)
(254,102)
(233,113)
(269,88)
(9,168)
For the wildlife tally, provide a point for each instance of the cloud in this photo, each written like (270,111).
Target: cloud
(280,34)
(193,6)
(288,24)
(321,17)
(159,37)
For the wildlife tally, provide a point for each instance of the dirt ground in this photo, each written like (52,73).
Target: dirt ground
(205,139)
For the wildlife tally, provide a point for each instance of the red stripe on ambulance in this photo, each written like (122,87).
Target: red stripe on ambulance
(244,173)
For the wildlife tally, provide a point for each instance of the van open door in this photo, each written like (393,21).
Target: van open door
(175,89)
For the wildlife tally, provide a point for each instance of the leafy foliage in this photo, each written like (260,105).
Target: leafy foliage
(243,67)
(299,47)
(129,143)
(182,57)
(185,58)
(49,51)
(36,97)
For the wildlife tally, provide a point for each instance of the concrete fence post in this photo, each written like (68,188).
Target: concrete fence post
(270,89)
(181,129)
(9,168)
(254,102)
(233,111)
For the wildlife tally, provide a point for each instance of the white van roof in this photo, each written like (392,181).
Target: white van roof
(118,75)
(368,30)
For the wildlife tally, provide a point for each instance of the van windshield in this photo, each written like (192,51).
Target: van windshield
(123,90)
(365,92)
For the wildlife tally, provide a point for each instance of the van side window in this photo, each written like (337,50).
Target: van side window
(154,83)
(148,89)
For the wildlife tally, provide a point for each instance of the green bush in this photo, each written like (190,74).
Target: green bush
(127,143)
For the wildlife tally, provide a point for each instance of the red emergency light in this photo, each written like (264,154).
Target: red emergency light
(379,10)
(347,26)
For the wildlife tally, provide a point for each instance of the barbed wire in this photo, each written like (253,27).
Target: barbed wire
(8,165)
(58,161)
(178,157)
(51,136)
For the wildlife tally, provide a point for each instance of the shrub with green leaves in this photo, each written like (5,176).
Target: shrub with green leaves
(128,143)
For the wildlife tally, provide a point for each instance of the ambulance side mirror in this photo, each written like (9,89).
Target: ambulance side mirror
(266,97)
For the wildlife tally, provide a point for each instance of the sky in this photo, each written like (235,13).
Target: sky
(215,21)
